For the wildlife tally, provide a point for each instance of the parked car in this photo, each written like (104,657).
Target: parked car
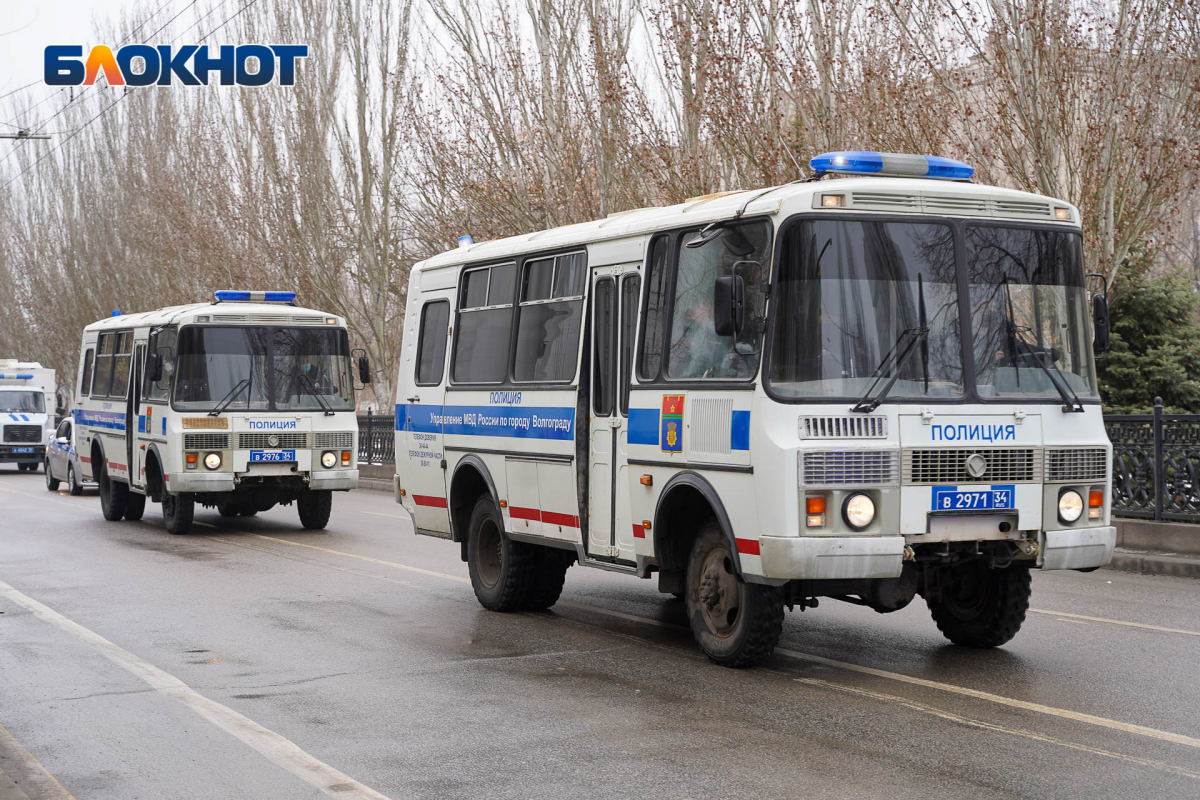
(62,460)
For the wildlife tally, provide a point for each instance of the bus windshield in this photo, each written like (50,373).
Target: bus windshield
(22,401)
(261,369)
(863,299)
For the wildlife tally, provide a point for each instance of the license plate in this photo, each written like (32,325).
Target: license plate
(23,450)
(951,498)
(272,455)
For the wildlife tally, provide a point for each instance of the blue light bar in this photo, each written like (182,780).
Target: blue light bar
(228,296)
(868,162)
(16,377)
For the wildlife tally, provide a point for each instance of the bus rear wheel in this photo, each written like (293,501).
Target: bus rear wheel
(113,496)
(979,606)
(177,510)
(229,509)
(501,569)
(135,506)
(736,624)
(315,506)
(549,576)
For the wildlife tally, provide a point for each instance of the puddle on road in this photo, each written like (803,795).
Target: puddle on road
(172,548)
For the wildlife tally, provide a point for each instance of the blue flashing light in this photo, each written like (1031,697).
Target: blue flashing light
(20,377)
(116,312)
(463,241)
(869,162)
(229,296)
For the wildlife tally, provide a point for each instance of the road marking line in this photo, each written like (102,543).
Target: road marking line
(380,514)
(17,763)
(270,744)
(1076,716)
(992,726)
(1116,622)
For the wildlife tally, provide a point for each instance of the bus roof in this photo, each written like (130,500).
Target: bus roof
(861,195)
(229,313)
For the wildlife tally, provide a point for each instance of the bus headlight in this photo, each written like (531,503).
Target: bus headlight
(859,511)
(212,460)
(329,459)
(1070,506)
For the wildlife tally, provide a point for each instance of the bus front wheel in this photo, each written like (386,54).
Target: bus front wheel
(979,606)
(314,507)
(501,569)
(113,496)
(177,510)
(736,624)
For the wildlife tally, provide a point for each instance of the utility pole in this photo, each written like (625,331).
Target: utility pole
(24,134)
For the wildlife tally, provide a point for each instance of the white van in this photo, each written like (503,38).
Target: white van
(239,404)
(25,421)
(870,385)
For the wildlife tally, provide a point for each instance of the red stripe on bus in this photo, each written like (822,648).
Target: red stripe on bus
(639,532)
(748,546)
(427,500)
(85,459)
(554,518)
(525,513)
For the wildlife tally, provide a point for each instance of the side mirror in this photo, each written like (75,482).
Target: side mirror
(1100,324)
(62,440)
(364,370)
(154,367)
(729,303)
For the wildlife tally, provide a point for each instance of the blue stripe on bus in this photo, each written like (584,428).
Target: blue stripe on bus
(643,426)
(514,422)
(739,433)
(113,420)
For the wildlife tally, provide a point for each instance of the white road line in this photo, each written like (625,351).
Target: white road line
(1076,716)
(991,726)
(270,744)
(1116,622)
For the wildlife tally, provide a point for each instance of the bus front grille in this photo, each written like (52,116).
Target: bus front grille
(22,433)
(206,441)
(331,440)
(949,466)
(1067,465)
(283,441)
(848,468)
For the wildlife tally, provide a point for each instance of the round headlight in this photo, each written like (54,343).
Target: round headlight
(212,460)
(1070,506)
(328,459)
(859,511)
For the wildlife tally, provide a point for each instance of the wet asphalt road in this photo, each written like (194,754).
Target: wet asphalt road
(363,648)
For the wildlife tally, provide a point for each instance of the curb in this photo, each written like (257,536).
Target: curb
(1155,564)
(375,485)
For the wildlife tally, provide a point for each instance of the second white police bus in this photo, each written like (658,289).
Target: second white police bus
(241,403)
(870,385)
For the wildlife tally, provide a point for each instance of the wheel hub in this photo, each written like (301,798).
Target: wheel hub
(719,593)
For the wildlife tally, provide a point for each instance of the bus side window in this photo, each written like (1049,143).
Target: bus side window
(605,328)
(484,324)
(121,359)
(650,359)
(163,343)
(551,316)
(85,383)
(102,381)
(631,290)
(431,342)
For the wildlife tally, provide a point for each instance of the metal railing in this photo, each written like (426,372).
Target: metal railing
(376,439)
(1156,464)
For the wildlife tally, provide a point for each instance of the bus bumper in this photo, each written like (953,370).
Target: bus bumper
(200,482)
(1080,548)
(334,479)
(831,557)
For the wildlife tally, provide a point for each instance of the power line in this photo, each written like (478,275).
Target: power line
(50,152)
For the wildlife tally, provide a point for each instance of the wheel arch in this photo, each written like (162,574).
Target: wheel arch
(471,478)
(685,502)
(155,485)
(98,462)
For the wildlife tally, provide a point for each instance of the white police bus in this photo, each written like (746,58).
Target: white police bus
(869,385)
(241,403)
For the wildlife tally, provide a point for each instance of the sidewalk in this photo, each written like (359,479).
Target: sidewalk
(1156,562)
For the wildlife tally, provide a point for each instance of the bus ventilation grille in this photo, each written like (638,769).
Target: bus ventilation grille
(1076,464)
(857,427)
(849,468)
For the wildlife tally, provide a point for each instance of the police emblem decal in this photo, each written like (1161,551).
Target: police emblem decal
(672,423)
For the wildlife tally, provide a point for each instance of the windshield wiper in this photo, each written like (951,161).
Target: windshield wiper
(313,391)
(1017,343)
(867,403)
(244,383)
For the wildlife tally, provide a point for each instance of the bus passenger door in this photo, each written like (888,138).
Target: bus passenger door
(134,419)
(615,294)
(421,398)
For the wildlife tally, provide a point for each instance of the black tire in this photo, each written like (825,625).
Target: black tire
(113,495)
(736,624)
(501,569)
(229,509)
(135,506)
(315,506)
(177,511)
(248,511)
(73,484)
(980,606)
(51,481)
(550,567)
